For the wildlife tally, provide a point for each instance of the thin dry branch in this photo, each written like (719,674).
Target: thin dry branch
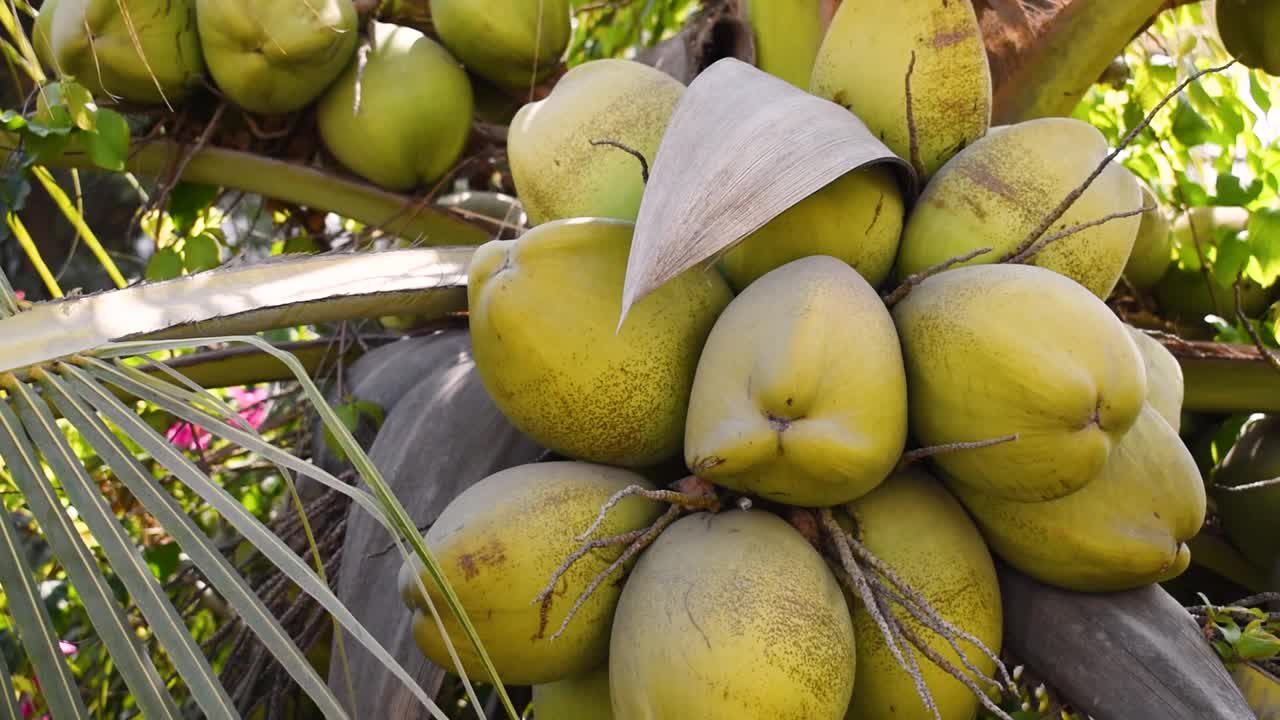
(915,279)
(1129,137)
(1037,246)
(913,139)
(644,164)
(918,454)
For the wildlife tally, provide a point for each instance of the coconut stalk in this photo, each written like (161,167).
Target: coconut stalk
(291,182)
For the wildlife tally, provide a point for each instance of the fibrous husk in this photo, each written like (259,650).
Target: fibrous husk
(741,148)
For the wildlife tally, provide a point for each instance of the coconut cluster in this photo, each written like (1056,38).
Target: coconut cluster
(853,445)
(393,104)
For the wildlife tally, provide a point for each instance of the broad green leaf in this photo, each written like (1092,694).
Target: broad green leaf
(1229,191)
(1192,192)
(35,626)
(12,120)
(187,202)
(350,413)
(1232,256)
(1257,644)
(1230,630)
(1264,244)
(46,148)
(201,253)
(213,565)
(165,264)
(93,589)
(163,559)
(126,560)
(108,144)
(81,106)
(1189,127)
(1261,97)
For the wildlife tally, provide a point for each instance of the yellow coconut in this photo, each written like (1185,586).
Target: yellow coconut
(1165,386)
(920,531)
(559,172)
(995,192)
(998,350)
(581,697)
(732,616)
(403,134)
(856,218)
(1126,528)
(873,50)
(498,544)
(548,347)
(787,36)
(800,394)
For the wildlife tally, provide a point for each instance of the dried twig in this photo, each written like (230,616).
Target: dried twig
(918,454)
(1266,353)
(913,139)
(915,279)
(1037,246)
(644,164)
(1129,137)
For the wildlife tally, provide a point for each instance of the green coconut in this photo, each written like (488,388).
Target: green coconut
(557,170)
(513,43)
(1152,248)
(1249,516)
(1248,29)
(994,351)
(499,543)
(143,51)
(403,134)
(732,616)
(277,56)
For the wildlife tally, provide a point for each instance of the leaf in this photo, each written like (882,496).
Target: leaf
(741,147)
(201,253)
(1257,644)
(1230,630)
(1229,191)
(44,149)
(1189,127)
(350,413)
(12,120)
(1264,243)
(108,144)
(304,243)
(81,106)
(165,264)
(186,203)
(163,559)
(1261,96)
(1233,255)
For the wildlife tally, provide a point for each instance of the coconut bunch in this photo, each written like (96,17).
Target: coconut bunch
(393,105)
(812,356)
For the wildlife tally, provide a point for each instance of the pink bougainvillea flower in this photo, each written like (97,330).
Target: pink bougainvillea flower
(252,408)
(21,295)
(67,648)
(26,707)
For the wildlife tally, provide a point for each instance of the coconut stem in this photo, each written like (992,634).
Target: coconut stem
(854,579)
(1129,137)
(913,280)
(918,454)
(644,164)
(691,493)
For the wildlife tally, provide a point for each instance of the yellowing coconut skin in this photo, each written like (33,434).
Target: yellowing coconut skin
(581,697)
(800,394)
(995,192)
(1152,249)
(498,543)
(863,65)
(513,43)
(998,350)
(544,329)
(856,218)
(94,42)
(920,531)
(557,170)
(732,616)
(1126,528)
(404,134)
(1165,386)
(278,56)
(787,36)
